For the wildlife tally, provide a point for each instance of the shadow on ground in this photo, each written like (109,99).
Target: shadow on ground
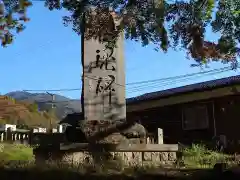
(30,174)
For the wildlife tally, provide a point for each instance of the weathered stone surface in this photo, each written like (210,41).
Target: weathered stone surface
(92,127)
(77,157)
(155,156)
(125,158)
(118,156)
(147,156)
(137,156)
(172,156)
(115,138)
(104,89)
(106,132)
(104,80)
(160,136)
(119,132)
(137,130)
(134,141)
(164,156)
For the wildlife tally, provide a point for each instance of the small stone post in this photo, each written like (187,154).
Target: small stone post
(30,137)
(2,137)
(21,138)
(160,136)
(9,134)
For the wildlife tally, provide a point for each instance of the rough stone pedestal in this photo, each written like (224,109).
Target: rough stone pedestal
(114,132)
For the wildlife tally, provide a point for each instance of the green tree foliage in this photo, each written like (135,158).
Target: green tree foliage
(2,121)
(161,22)
(12,18)
(33,107)
(22,126)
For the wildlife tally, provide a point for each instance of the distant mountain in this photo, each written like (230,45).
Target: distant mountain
(63,105)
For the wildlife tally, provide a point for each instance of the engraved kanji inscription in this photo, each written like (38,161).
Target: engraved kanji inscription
(106,86)
(105,62)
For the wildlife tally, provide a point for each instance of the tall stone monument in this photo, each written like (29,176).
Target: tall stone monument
(104,80)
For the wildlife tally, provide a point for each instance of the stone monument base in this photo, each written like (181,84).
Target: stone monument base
(132,155)
(126,158)
(120,141)
(113,132)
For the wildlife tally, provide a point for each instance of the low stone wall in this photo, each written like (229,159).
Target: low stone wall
(127,158)
(137,154)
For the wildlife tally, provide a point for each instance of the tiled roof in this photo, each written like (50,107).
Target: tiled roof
(186,89)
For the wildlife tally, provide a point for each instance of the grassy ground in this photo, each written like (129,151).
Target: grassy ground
(195,157)
(18,152)
(70,173)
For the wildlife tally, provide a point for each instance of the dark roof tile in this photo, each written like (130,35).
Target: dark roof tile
(207,85)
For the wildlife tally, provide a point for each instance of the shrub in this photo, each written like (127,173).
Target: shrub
(198,156)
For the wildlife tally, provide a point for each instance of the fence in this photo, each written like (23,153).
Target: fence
(18,136)
(9,133)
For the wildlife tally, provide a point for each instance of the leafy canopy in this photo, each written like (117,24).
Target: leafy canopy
(12,17)
(163,23)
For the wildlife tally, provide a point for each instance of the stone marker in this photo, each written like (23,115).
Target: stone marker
(104,81)
(104,112)
(160,136)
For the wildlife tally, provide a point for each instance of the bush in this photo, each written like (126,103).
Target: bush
(198,156)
